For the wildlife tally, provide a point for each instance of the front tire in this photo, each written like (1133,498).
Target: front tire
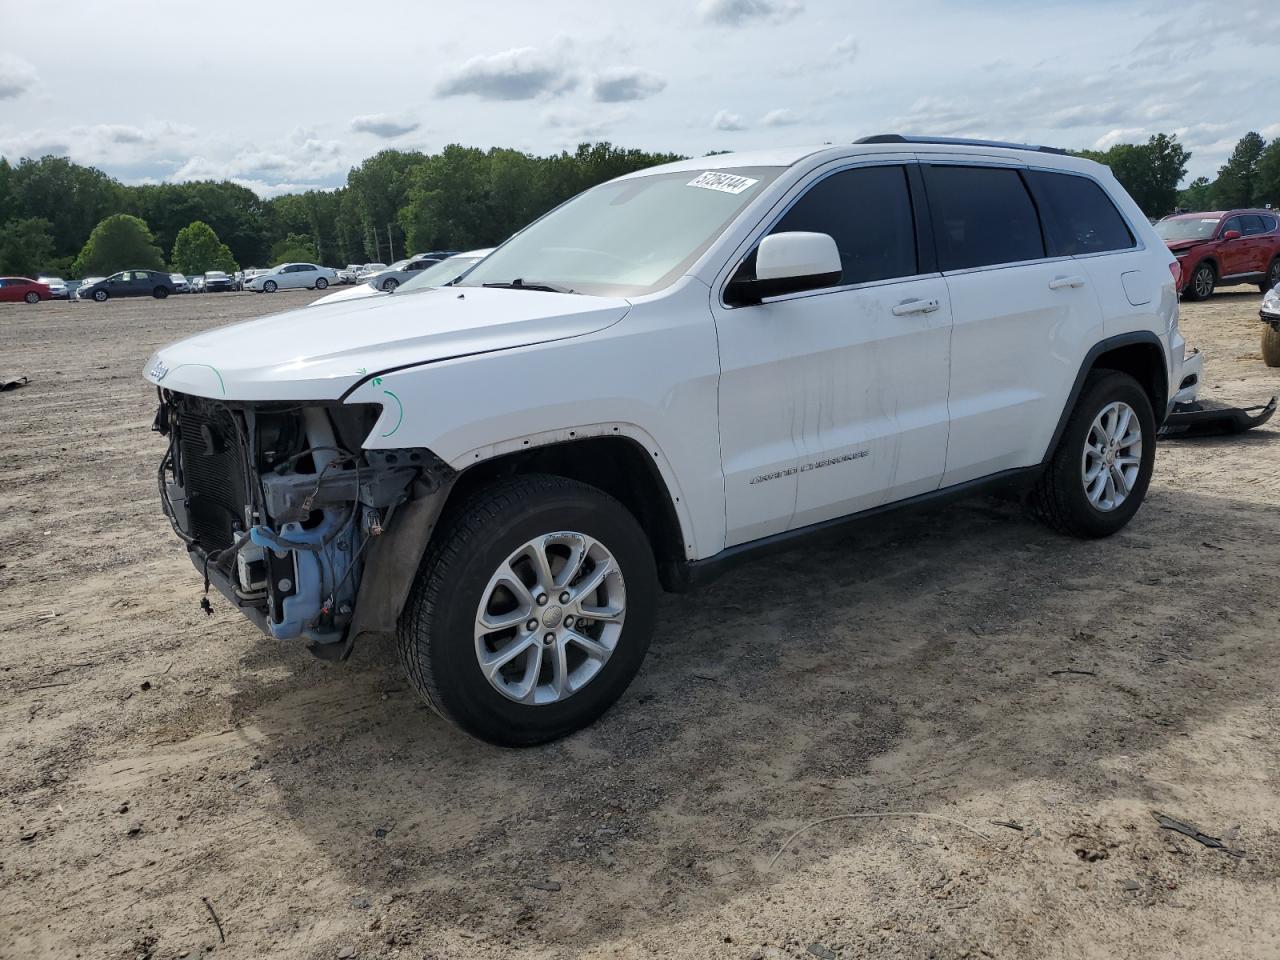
(160,292)
(1203,280)
(390,284)
(101,296)
(516,650)
(269,287)
(1271,346)
(1098,474)
(322,283)
(32,297)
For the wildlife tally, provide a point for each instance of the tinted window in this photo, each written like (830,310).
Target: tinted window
(1078,215)
(1268,223)
(981,216)
(867,211)
(1252,225)
(1232,224)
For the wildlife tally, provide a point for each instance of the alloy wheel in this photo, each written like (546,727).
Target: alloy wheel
(1112,456)
(550,618)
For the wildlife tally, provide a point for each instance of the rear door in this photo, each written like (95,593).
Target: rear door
(1256,245)
(1021,319)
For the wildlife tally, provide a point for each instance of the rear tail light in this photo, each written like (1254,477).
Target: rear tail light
(1175,268)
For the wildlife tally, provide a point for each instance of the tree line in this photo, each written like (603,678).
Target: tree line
(60,217)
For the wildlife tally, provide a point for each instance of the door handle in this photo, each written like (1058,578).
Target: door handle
(915,306)
(1059,283)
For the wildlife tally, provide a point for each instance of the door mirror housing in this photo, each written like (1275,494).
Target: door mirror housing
(790,262)
(1231,235)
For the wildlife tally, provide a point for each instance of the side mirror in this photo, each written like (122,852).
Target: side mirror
(1231,235)
(791,262)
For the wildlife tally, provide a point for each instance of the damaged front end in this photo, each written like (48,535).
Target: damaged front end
(280,508)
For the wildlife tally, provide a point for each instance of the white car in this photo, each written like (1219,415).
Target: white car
(368,270)
(293,275)
(437,274)
(403,270)
(676,370)
(57,287)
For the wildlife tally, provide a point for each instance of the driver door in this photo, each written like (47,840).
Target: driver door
(834,401)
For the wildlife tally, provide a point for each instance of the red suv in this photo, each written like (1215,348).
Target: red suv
(1235,246)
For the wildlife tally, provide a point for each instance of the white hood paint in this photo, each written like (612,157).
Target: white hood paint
(358,292)
(309,354)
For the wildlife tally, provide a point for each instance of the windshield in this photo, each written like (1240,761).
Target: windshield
(400,264)
(1187,228)
(626,237)
(438,274)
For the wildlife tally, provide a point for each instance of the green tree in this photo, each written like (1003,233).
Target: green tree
(71,197)
(1266,185)
(26,247)
(198,249)
(296,247)
(1235,184)
(380,185)
(1197,196)
(1150,172)
(119,242)
(237,215)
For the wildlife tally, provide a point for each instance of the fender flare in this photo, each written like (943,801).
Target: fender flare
(1134,338)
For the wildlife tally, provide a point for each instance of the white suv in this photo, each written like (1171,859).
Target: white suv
(673,371)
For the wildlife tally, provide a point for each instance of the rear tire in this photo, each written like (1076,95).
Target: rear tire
(1203,279)
(1066,498)
(442,641)
(32,297)
(1273,277)
(1271,346)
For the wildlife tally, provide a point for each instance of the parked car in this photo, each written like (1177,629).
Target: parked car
(674,371)
(197,284)
(85,286)
(1270,314)
(22,289)
(180,283)
(368,270)
(349,273)
(215,281)
(129,283)
(404,270)
(247,275)
(292,275)
(1233,246)
(437,275)
(57,287)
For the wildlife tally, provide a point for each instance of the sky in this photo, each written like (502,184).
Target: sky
(283,96)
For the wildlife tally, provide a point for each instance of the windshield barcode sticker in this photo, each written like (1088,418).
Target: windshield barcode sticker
(724,182)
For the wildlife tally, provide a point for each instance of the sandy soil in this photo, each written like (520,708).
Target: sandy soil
(966,664)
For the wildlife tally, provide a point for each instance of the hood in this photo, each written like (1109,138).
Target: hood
(1181,246)
(307,354)
(358,292)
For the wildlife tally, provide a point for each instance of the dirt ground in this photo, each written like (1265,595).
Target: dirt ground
(158,767)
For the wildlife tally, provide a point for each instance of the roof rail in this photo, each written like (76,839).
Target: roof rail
(959,142)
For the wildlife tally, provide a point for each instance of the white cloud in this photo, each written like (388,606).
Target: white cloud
(780,118)
(619,84)
(737,13)
(16,76)
(844,50)
(578,125)
(383,125)
(519,74)
(724,120)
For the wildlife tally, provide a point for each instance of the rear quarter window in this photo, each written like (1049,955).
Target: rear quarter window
(1079,217)
(982,216)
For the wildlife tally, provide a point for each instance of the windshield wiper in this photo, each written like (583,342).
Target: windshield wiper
(519,284)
